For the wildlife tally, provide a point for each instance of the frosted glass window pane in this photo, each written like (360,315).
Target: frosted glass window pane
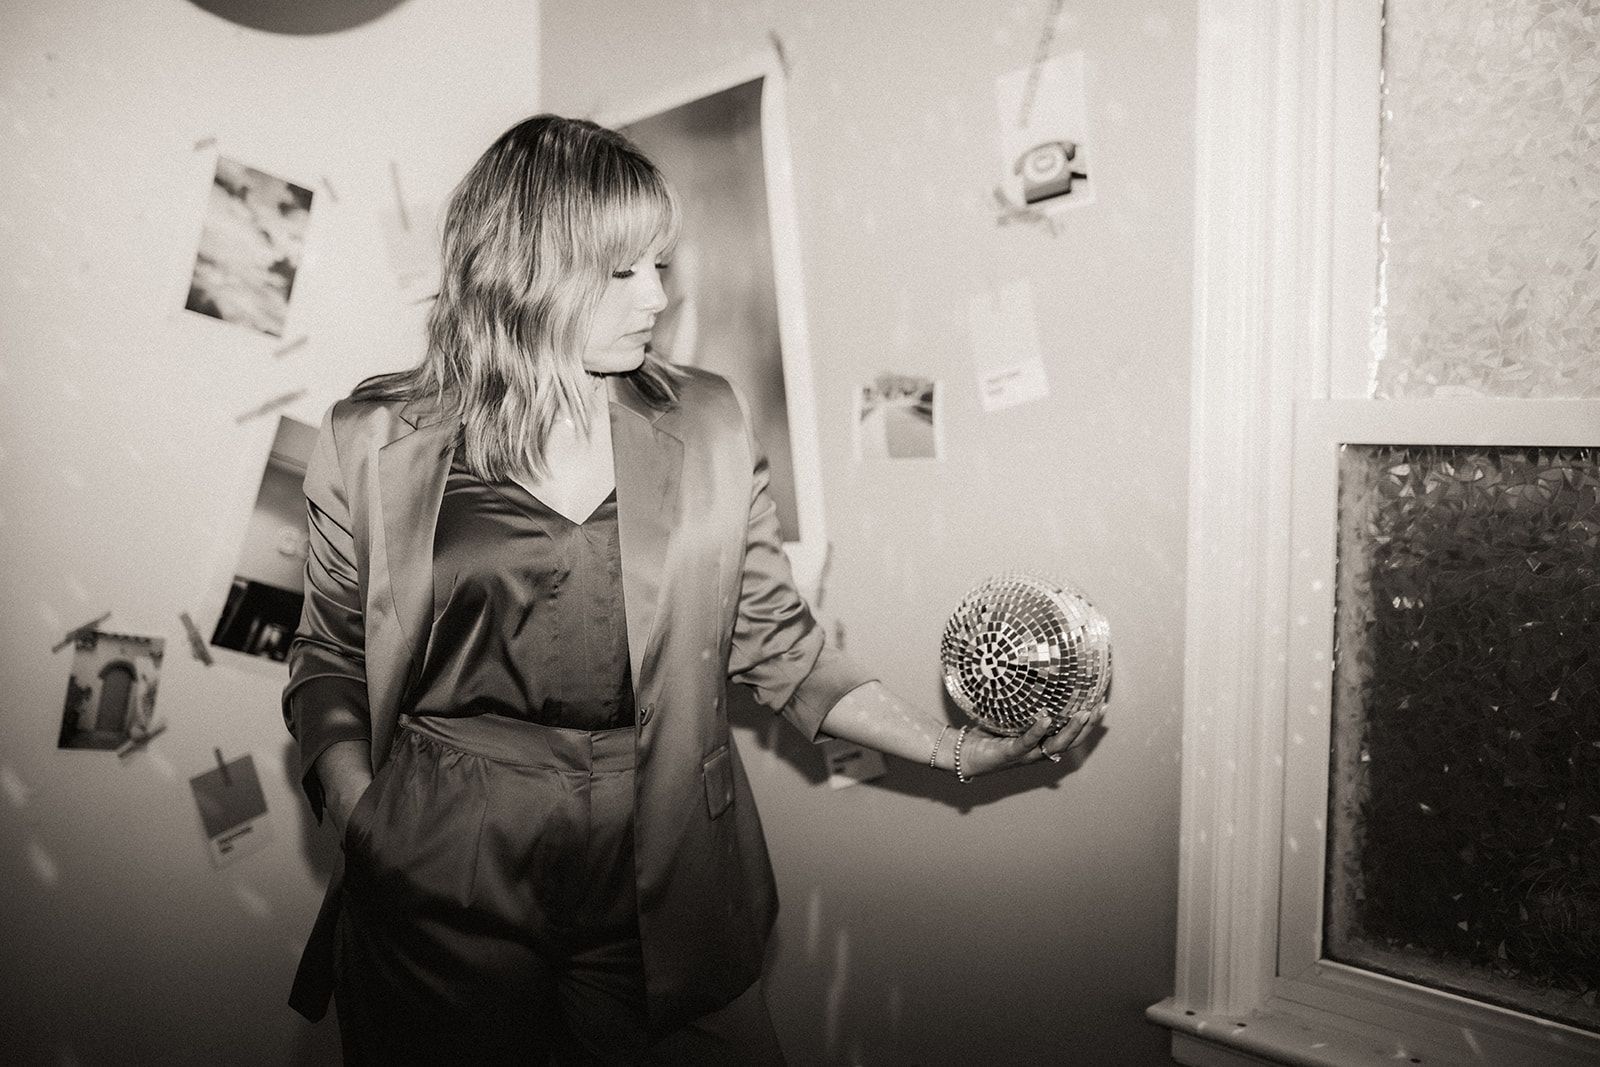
(1490,199)
(1464,799)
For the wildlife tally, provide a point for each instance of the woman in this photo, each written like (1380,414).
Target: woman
(536,559)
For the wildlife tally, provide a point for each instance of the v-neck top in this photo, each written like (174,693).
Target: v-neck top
(528,617)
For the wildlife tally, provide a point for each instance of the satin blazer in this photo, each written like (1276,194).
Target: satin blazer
(708,596)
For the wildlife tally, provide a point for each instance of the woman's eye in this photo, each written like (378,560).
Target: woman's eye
(628,272)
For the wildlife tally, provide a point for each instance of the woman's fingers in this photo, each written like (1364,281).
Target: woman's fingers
(1030,744)
(1042,740)
(1037,732)
(1034,744)
(1073,732)
(1059,741)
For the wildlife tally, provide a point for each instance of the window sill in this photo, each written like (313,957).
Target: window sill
(1289,1032)
(1203,1039)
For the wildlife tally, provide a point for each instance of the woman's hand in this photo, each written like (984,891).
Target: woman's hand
(341,807)
(345,769)
(982,751)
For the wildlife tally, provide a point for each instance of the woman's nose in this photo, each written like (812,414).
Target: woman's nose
(654,297)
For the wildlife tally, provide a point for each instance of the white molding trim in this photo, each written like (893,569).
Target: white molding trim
(1354,102)
(1259,74)
(808,555)
(1286,247)
(748,68)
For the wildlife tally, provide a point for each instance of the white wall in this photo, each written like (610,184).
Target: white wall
(126,485)
(1030,919)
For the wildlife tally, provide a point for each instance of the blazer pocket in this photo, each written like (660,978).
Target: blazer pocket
(717,770)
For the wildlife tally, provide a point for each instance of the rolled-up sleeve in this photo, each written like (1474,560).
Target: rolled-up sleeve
(778,649)
(325,701)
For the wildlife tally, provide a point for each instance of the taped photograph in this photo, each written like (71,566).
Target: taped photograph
(233,809)
(250,248)
(111,693)
(899,416)
(263,604)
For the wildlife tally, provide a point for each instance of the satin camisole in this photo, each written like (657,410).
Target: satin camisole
(528,617)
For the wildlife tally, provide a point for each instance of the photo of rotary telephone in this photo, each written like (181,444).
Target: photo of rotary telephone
(1047,170)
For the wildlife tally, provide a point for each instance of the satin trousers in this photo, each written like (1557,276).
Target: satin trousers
(490,914)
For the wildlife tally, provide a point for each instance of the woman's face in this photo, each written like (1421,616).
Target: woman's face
(625,317)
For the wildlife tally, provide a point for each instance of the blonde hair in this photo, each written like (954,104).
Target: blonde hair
(531,238)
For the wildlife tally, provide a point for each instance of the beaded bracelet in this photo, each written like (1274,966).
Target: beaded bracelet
(961,739)
(933,760)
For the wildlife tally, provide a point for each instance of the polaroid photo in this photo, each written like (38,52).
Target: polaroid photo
(233,810)
(111,693)
(899,416)
(263,605)
(850,764)
(250,248)
(1044,134)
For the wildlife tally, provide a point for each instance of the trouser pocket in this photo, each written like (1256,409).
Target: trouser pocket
(416,840)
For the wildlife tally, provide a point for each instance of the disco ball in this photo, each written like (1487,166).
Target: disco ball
(1018,645)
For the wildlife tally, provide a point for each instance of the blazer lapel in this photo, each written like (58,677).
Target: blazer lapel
(648,461)
(412,470)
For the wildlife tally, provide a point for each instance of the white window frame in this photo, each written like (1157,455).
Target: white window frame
(1286,265)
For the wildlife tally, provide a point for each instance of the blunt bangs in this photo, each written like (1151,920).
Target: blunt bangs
(641,218)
